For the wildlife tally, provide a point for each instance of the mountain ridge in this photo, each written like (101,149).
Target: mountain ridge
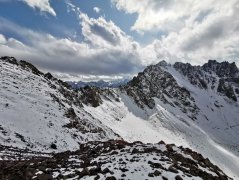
(161,103)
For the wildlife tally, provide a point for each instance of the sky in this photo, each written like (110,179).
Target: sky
(111,39)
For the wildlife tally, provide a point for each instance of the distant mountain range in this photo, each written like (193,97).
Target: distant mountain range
(171,121)
(100,83)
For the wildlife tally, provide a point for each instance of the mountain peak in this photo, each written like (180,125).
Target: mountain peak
(162,63)
(156,82)
(223,69)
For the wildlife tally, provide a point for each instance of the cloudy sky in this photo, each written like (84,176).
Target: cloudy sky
(90,39)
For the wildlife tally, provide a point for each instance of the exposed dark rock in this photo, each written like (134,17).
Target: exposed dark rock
(8,59)
(97,177)
(29,66)
(178,177)
(172,169)
(226,89)
(48,76)
(53,146)
(106,170)
(91,96)
(70,113)
(110,178)
(21,137)
(237,90)
(44,177)
(155,174)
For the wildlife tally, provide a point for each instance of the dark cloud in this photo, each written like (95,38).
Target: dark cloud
(107,35)
(206,38)
(102,63)
(213,30)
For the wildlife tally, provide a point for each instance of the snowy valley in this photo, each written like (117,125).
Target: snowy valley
(196,108)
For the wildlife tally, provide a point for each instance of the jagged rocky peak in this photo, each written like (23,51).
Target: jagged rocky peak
(156,82)
(163,63)
(228,74)
(223,69)
(185,68)
(222,77)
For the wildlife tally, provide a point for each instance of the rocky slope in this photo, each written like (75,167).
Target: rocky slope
(114,160)
(190,106)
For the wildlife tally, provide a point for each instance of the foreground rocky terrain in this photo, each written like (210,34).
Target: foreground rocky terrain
(195,107)
(112,160)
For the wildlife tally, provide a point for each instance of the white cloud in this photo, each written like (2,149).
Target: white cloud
(105,34)
(194,31)
(97,9)
(42,5)
(106,50)
(71,7)
(2,39)
(71,57)
(170,14)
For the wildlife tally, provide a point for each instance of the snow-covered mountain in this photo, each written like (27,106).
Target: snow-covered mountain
(38,110)
(190,106)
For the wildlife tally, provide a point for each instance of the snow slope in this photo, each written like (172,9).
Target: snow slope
(30,117)
(151,126)
(214,133)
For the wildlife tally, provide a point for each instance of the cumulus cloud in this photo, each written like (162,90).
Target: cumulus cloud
(2,39)
(102,33)
(155,14)
(67,56)
(169,14)
(97,9)
(42,5)
(193,31)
